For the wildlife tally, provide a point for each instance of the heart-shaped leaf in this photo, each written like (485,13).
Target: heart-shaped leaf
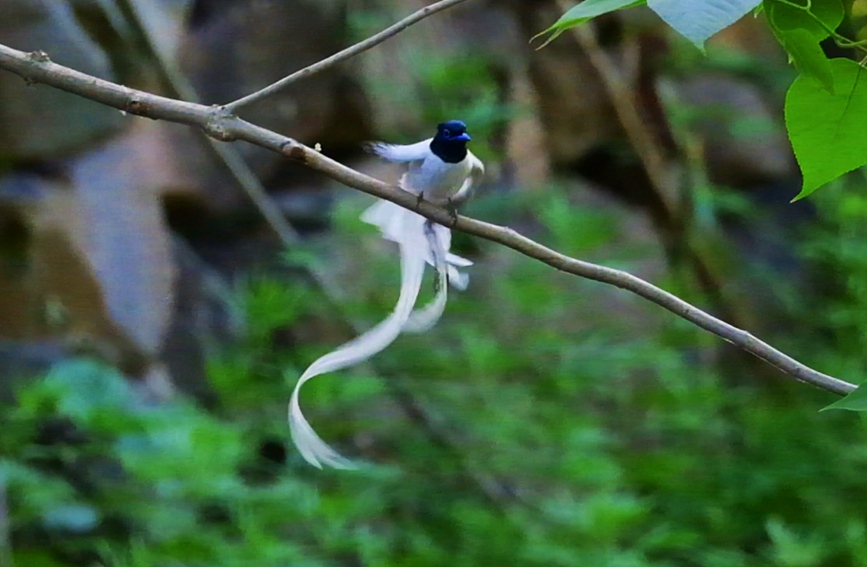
(697,20)
(827,130)
(808,56)
(784,17)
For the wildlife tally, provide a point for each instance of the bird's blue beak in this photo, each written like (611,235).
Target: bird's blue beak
(463,137)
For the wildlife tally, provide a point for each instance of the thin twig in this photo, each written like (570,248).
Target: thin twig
(36,67)
(352,51)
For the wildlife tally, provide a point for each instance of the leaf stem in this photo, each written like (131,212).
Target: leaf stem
(839,39)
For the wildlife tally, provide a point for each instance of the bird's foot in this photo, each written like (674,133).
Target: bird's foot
(419,198)
(452,208)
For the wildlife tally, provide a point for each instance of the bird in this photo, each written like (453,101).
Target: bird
(441,170)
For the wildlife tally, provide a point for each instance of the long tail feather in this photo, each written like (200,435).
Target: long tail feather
(420,242)
(422,320)
(314,450)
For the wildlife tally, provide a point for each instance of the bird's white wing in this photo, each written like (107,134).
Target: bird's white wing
(477,172)
(392,152)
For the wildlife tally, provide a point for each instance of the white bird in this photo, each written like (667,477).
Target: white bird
(441,170)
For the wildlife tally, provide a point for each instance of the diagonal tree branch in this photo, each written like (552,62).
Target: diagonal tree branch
(217,122)
(351,51)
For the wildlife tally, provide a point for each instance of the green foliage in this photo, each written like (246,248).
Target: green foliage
(581,427)
(826,106)
(584,12)
(854,401)
(826,128)
(806,53)
(819,18)
(801,29)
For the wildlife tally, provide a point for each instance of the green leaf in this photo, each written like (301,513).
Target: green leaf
(827,130)
(697,20)
(584,12)
(800,33)
(854,401)
(785,18)
(805,51)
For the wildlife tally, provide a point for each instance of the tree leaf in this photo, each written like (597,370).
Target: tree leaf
(827,130)
(697,20)
(800,34)
(808,56)
(584,12)
(854,401)
(784,18)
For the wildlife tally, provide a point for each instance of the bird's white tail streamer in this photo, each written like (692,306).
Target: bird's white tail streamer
(420,242)
(422,320)
(314,450)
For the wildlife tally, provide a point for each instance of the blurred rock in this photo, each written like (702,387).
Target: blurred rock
(88,258)
(233,48)
(204,317)
(124,236)
(572,103)
(743,141)
(56,122)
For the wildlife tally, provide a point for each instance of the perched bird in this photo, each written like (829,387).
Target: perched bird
(441,170)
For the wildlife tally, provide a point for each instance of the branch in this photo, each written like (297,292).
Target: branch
(351,51)
(220,124)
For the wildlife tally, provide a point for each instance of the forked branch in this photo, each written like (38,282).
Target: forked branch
(340,56)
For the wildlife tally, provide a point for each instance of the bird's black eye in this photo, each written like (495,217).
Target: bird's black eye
(447,134)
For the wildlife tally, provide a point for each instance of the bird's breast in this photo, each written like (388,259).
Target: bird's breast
(437,179)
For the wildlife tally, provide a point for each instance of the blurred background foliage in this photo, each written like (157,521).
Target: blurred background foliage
(154,325)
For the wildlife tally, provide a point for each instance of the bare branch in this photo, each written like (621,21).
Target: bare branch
(351,51)
(217,122)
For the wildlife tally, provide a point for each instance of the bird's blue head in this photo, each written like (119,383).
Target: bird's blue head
(450,143)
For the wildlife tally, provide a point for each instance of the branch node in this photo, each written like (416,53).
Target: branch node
(138,108)
(294,151)
(39,56)
(217,125)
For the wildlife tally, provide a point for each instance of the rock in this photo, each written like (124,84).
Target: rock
(270,39)
(56,122)
(743,140)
